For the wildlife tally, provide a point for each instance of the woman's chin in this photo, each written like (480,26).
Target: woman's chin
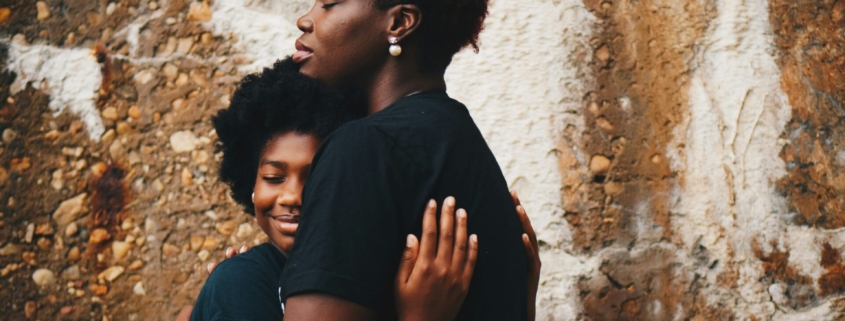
(307,70)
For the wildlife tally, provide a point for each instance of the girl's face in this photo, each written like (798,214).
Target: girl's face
(342,40)
(282,170)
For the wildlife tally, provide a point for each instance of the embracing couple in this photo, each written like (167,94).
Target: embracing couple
(347,148)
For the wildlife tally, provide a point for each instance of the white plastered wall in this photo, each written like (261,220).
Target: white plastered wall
(522,88)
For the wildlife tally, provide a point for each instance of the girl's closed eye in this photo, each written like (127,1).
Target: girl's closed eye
(329,5)
(274,179)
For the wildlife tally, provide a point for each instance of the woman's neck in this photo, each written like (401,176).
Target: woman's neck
(395,82)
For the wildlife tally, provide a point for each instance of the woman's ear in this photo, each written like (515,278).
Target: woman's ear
(404,20)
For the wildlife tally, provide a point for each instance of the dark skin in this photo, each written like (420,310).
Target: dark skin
(435,272)
(282,172)
(345,43)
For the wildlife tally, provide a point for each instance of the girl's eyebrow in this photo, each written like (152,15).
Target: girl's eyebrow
(276,164)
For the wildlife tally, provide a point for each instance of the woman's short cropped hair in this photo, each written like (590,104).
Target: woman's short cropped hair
(277,100)
(447,26)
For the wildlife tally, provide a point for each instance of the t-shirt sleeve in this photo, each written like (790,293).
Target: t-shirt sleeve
(350,239)
(237,290)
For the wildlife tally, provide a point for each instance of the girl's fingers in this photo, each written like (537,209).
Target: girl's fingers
(210,267)
(243,249)
(526,226)
(530,253)
(447,231)
(409,258)
(472,255)
(230,252)
(428,243)
(459,254)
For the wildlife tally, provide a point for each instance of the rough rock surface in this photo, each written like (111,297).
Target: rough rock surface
(680,160)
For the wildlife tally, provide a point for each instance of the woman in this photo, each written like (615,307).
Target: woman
(415,144)
(267,139)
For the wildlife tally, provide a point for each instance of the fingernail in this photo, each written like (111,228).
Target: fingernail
(450,201)
(520,209)
(409,241)
(432,203)
(229,250)
(473,238)
(242,250)
(525,236)
(462,213)
(208,267)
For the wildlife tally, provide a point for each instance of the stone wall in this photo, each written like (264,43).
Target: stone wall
(681,160)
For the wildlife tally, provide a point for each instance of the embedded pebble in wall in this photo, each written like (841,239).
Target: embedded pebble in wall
(134,112)
(120,249)
(43,277)
(9,249)
(204,255)
(43,11)
(196,242)
(71,273)
(74,255)
(603,54)
(98,235)
(112,273)
(599,164)
(71,229)
(138,289)
(9,135)
(183,141)
(30,309)
(225,228)
(58,179)
(5,13)
(199,11)
(110,113)
(170,250)
(135,265)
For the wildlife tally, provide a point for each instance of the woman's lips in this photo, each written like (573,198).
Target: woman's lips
(301,55)
(302,52)
(287,223)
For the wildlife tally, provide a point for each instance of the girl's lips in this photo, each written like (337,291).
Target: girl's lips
(301,55)
(287,223)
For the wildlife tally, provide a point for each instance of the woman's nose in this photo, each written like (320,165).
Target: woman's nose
(305,23)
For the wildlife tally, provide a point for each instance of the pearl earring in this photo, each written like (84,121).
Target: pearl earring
(395,49)
(253,197)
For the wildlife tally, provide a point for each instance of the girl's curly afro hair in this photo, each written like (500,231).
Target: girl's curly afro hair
(277,100)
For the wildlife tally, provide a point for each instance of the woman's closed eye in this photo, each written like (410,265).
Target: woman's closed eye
(329,5)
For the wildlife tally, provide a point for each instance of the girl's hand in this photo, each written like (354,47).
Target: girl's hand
(230,252)
(532,254)
(434,274)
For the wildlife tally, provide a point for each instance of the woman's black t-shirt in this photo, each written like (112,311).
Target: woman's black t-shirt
(243,288)
(369,184)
